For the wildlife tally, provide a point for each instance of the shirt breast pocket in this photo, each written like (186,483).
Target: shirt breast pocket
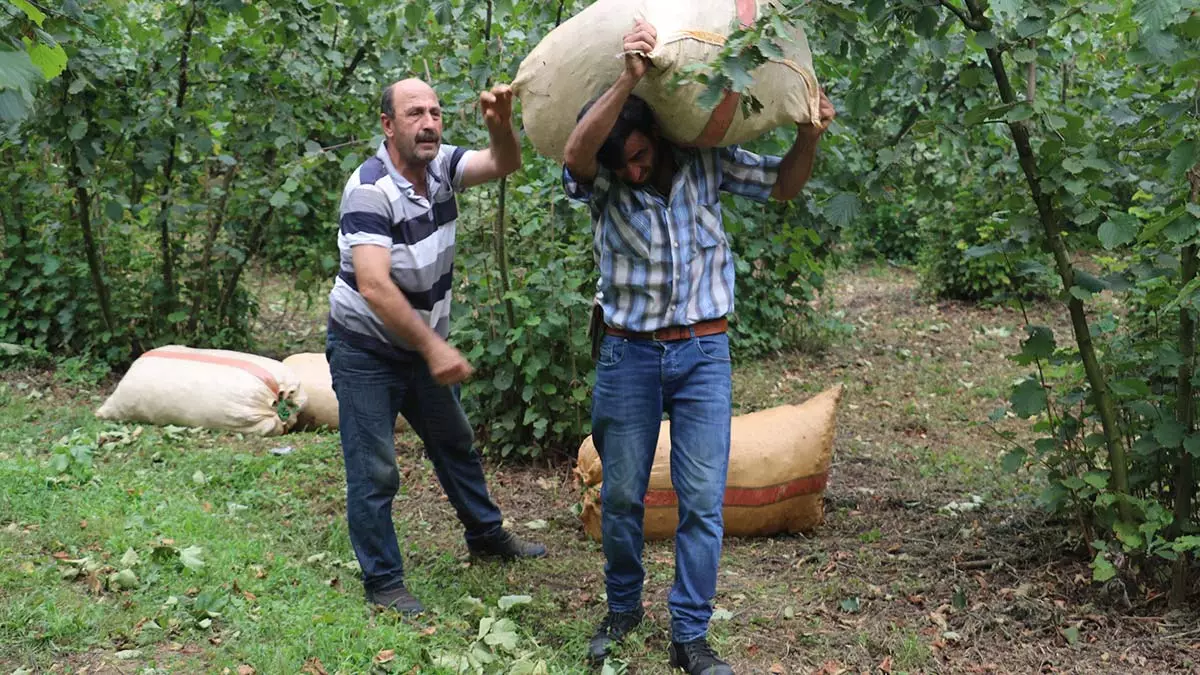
(630,234)
(710,230)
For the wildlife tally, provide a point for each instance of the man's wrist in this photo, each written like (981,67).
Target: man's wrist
(810,132)
(628,80)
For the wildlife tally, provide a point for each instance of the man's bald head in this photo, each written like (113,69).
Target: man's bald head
(412,121)
(402,90)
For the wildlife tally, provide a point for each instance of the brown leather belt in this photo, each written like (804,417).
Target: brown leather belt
(673,333)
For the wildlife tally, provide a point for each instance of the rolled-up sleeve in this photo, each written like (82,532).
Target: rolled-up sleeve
(593,194)
(747,174)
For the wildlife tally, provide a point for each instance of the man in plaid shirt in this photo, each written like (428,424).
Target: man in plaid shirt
(666,286)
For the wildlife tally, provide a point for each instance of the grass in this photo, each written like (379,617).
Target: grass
(881,585)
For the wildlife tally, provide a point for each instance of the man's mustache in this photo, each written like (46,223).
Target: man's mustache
(428,137)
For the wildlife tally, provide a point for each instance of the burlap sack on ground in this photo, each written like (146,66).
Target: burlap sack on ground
(210,388)
(580,59)
(321,408)
(778,466)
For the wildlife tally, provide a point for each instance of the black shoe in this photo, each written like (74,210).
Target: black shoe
(697,658)
(506,546)
(613,629)
(397,599)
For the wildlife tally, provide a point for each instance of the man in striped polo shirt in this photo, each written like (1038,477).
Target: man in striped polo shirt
(389,316)
(665,288)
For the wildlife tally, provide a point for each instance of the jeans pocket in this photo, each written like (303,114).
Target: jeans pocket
(612,350)
(714,347)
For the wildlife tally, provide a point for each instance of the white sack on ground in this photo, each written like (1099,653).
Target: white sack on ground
(209,388)
(321,408)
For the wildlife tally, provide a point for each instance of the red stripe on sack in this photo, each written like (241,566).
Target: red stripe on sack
(722,115)
(719,121)
(747,11)
(252,368)
(751,497)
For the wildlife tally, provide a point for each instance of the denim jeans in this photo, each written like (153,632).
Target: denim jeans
(371,391)
(636,382)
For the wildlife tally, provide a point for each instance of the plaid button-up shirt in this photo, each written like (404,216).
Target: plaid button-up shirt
(666,262)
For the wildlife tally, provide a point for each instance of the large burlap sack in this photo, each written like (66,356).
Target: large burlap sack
(580,59)
(321,408)
(210,388)
(778,467)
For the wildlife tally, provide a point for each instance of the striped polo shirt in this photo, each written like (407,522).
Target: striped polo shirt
(381,208)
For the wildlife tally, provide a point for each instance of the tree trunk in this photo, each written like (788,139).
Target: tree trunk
(358,57)
(1051,223)
(255,243)
(214,229)
(83,202)
(164,220)
(1185,414)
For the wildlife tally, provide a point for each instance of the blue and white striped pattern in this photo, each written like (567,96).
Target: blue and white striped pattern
(380,208)
(667,263)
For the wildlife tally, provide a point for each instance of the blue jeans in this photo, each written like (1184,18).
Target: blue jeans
(636,382)
(371,391)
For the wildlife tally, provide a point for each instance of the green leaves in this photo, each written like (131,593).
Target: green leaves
(1184,156)
(1156,14)
(985,40)
(1013,460)
(1039,345)
(17,71)
(1028,398)
(927,22)
(1102,569)
(1169,433)
(510,601)
(51,59)
(1120,229)
(842,209)
(33,13)
(190,557)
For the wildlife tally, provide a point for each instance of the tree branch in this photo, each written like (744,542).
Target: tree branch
(963,16)
(357,59)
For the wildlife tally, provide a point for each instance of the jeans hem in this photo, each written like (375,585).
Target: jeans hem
(675,637)
(377,586)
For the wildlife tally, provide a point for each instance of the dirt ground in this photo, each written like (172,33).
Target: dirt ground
(894,581)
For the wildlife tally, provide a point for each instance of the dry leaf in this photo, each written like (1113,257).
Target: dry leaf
(314,666)
(777,669)
(385,655)
(885,665)
(249,596)
(245,670)
(939,619)
(830,668)
(429,631)
(83,524)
